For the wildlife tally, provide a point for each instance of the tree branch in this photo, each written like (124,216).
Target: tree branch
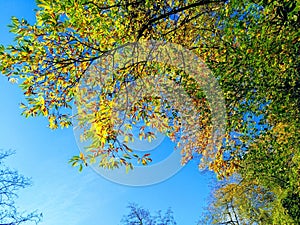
(174,11)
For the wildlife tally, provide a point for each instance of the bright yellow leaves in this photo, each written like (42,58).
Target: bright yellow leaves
(41,103)
(102,123)
(52,122)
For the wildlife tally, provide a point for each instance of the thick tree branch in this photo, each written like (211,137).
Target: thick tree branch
(174,11)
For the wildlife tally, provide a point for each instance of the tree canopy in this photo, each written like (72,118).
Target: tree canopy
(254,67)
(251,47)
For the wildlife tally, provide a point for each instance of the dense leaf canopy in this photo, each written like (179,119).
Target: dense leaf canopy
(251,47)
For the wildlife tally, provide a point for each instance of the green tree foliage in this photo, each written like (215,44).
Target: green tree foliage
(248,202)
(10,182)
(255,55)
(273,162)
(266,191)
(141,216)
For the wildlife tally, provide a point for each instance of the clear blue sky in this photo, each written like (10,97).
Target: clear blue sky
(60,192)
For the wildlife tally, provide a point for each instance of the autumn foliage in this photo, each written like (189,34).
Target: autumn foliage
(251,47)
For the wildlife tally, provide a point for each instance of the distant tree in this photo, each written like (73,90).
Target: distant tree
(273,162)
(239,202)
(10,182)
(141,216)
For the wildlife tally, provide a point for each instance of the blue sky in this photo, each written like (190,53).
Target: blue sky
(60,192)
